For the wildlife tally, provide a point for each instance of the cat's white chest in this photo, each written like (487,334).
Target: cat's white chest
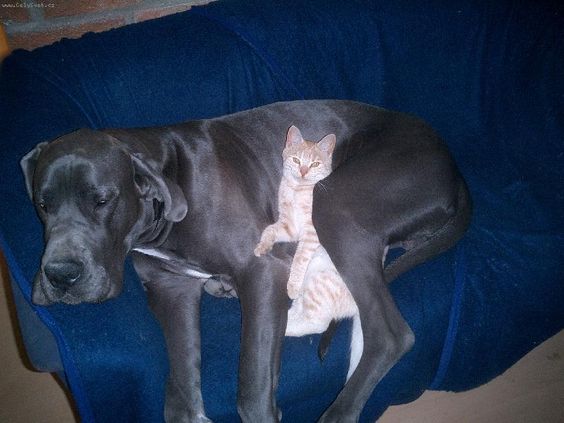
(301,209)
(320,262)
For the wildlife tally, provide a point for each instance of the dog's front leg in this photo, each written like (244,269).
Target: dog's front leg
(176,304)
(264,314)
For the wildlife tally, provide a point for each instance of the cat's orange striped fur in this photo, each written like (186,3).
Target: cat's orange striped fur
(319,294)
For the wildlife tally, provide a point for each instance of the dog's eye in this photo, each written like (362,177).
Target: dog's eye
(102,198)
(296,160)
(42,205)
(314,164)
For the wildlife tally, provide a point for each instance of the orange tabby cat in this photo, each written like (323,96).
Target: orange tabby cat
(319,293)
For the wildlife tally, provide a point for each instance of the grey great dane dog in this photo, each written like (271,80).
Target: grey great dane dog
(190,201)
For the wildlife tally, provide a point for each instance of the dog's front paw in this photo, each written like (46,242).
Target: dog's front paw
(185,416)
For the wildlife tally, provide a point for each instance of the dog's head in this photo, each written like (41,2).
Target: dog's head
(95,200)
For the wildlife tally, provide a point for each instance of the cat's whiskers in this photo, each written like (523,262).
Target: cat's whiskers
(321,185)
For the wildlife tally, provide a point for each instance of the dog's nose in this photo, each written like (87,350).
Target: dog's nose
(63,274)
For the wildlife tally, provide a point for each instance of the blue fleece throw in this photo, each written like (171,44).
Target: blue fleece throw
(489,76)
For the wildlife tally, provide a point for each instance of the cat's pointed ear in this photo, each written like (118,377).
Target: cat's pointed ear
(327,143)
(294,136)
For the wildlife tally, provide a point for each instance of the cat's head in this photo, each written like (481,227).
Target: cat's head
(307,162)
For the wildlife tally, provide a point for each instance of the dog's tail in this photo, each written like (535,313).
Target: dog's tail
(357,345)
(326,338)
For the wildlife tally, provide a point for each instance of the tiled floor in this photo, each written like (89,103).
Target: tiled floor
(531,391)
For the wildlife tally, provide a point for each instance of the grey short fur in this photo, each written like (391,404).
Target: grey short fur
(189,202)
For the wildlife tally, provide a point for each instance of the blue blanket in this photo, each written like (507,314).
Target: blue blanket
(487,75)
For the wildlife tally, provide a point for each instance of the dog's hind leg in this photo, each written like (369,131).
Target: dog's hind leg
(357,254)
(386,335)
(441,240)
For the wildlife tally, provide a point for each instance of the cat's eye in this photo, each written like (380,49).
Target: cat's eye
(314,164)
(296,160)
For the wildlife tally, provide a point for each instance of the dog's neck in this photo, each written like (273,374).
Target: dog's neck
(155,228)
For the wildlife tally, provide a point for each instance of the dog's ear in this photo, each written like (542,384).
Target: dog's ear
(28,164)
(153,185)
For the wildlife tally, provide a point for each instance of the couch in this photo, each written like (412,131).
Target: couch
(488,76)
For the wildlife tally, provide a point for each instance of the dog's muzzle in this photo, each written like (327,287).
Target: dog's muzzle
(63,274)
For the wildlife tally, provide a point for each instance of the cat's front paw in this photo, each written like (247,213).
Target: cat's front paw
(294,290)
(262,248)
(267,240)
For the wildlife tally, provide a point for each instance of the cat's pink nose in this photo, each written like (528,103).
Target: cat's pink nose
(303,170)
